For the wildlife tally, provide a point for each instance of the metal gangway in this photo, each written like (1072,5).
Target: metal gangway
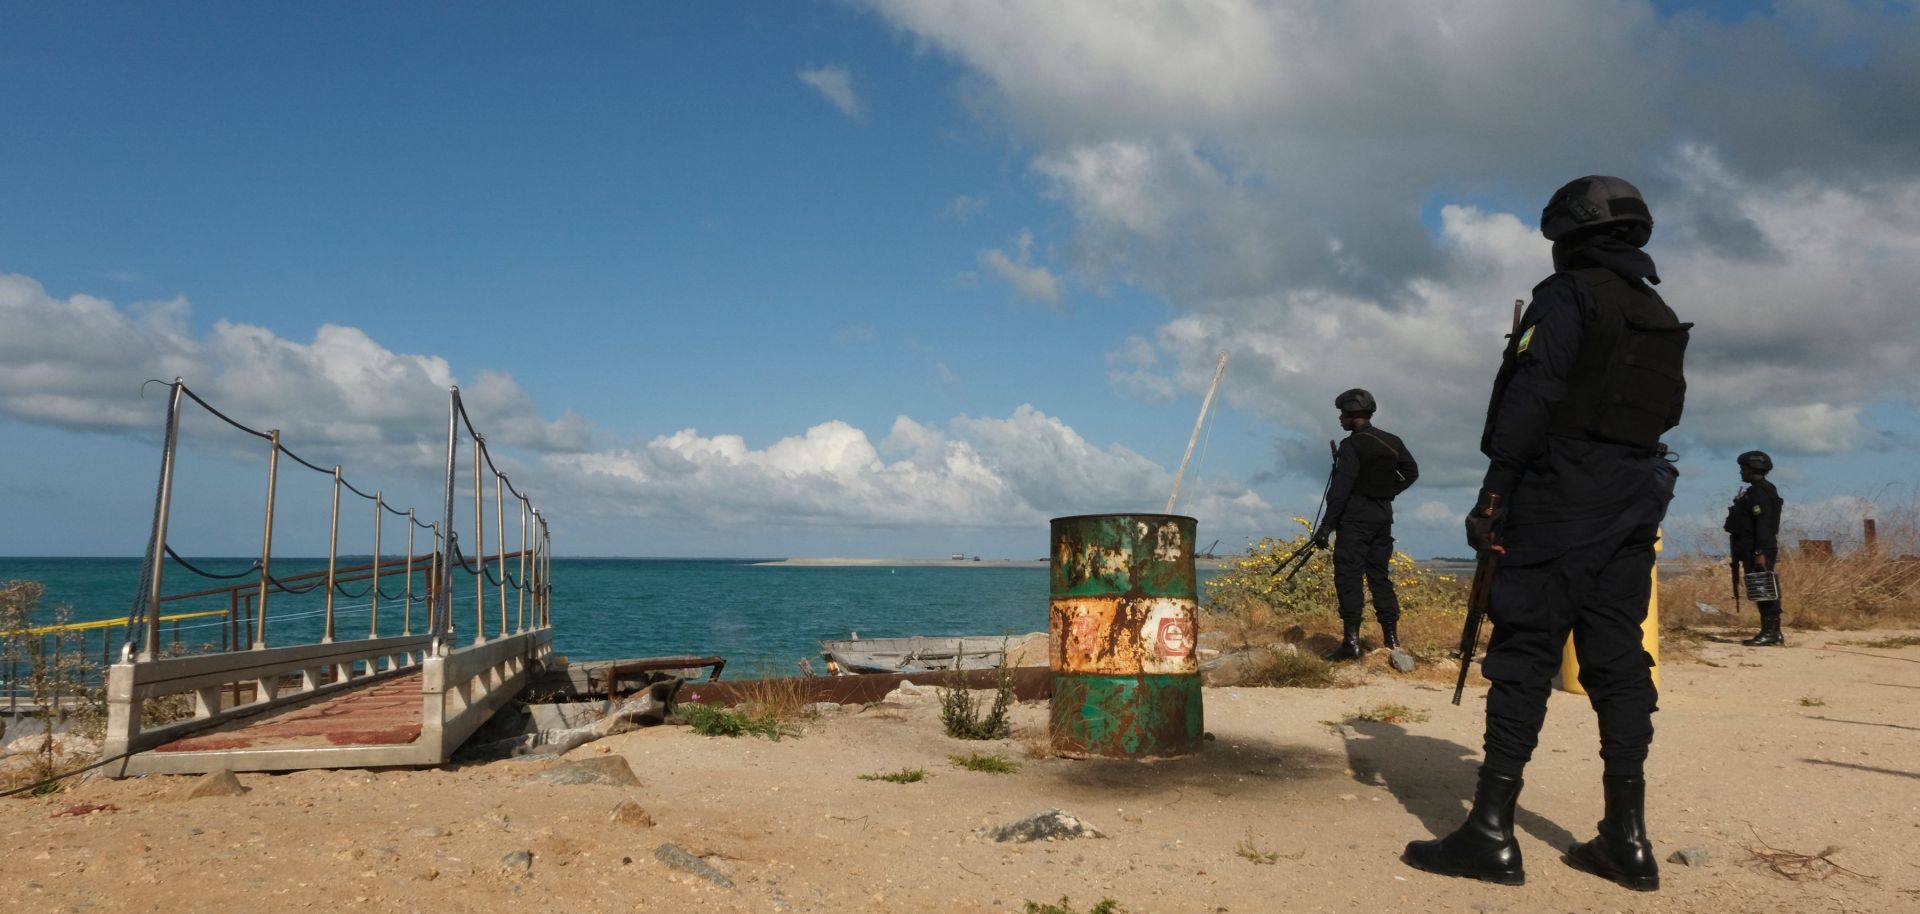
(398,692)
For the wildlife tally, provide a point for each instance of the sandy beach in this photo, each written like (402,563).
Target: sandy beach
(1805,748)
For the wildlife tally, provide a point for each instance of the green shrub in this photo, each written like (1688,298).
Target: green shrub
(707,720)
(960,713)
(1249,604)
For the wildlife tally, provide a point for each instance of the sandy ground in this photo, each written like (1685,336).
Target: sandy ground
(1804,748)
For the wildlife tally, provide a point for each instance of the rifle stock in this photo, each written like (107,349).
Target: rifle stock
(1476,613)
(1733,570)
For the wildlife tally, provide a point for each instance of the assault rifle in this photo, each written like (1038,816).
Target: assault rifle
(1483,567)
(1297,559)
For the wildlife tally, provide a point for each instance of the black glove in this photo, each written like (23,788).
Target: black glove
(1320,540)
(1483,522)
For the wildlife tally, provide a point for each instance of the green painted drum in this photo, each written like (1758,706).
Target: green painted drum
(1123,618)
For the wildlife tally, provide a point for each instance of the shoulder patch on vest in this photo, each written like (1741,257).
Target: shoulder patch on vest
(1526,339)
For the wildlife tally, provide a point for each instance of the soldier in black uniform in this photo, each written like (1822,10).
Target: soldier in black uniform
(1753,531)
(1574,493)
(1370,468)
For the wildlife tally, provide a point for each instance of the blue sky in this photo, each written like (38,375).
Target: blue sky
(906,278)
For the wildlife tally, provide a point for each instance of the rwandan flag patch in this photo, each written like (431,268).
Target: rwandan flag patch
(1526,339)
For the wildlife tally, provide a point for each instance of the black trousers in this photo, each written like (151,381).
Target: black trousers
(1594,585)
(1361,552)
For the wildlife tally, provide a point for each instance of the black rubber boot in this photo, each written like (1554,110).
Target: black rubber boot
(1483,846)
(1349,648)
(1769,634)
(1390,635)
(1622,852)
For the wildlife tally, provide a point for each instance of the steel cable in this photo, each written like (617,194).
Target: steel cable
(223,416)
(486,454)
(251,568)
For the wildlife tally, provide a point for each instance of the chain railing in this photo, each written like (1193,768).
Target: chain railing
(241,671)
(431,572)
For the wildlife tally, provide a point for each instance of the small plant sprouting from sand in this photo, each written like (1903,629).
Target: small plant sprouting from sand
(1810,701)
(991,763)
(1106,906)
(960,712)
(1253,854)
(1390,712)
(903,776)
(707,720)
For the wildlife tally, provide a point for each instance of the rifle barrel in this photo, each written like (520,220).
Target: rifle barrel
(1476,612)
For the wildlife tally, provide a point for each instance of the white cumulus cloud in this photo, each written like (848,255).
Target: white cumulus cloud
(1030,281)
(1341,198)
(835,84)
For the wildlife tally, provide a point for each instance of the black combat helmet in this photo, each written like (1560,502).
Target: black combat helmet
(1355,401)
(1757,461)
(1593,202)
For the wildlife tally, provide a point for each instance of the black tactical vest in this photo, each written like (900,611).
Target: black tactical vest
(1629,374)
(1379,475)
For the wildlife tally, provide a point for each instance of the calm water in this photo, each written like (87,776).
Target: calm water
(761,618)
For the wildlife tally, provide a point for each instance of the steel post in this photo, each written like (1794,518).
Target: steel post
(479,549)
(500,544)
(406,612)
(333,555)
(266,541)
(520,595)
(373,626)
(443,605)
(157,551)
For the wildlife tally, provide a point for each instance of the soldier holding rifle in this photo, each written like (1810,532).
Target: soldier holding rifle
(1370,468)
(1571,504)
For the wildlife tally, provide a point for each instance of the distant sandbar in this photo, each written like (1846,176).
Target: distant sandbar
(847,562)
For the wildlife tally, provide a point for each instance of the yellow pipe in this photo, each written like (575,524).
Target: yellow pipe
(109,623)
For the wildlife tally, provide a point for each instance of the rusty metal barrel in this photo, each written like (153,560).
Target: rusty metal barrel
(1124,614)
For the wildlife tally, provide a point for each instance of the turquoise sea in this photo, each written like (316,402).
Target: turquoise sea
(762,618)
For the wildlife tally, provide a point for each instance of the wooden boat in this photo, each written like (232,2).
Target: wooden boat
(917,654)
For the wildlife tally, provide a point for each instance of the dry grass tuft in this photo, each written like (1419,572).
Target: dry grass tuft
(1893,643)
(1857,588)
(774,698)
(1034,742)
(1800,867)
(1296,671)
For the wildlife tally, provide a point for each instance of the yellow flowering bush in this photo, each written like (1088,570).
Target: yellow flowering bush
(1249,600)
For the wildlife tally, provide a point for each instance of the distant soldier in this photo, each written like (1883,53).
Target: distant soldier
(1370,468)
(1753,533)
(1571,505)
